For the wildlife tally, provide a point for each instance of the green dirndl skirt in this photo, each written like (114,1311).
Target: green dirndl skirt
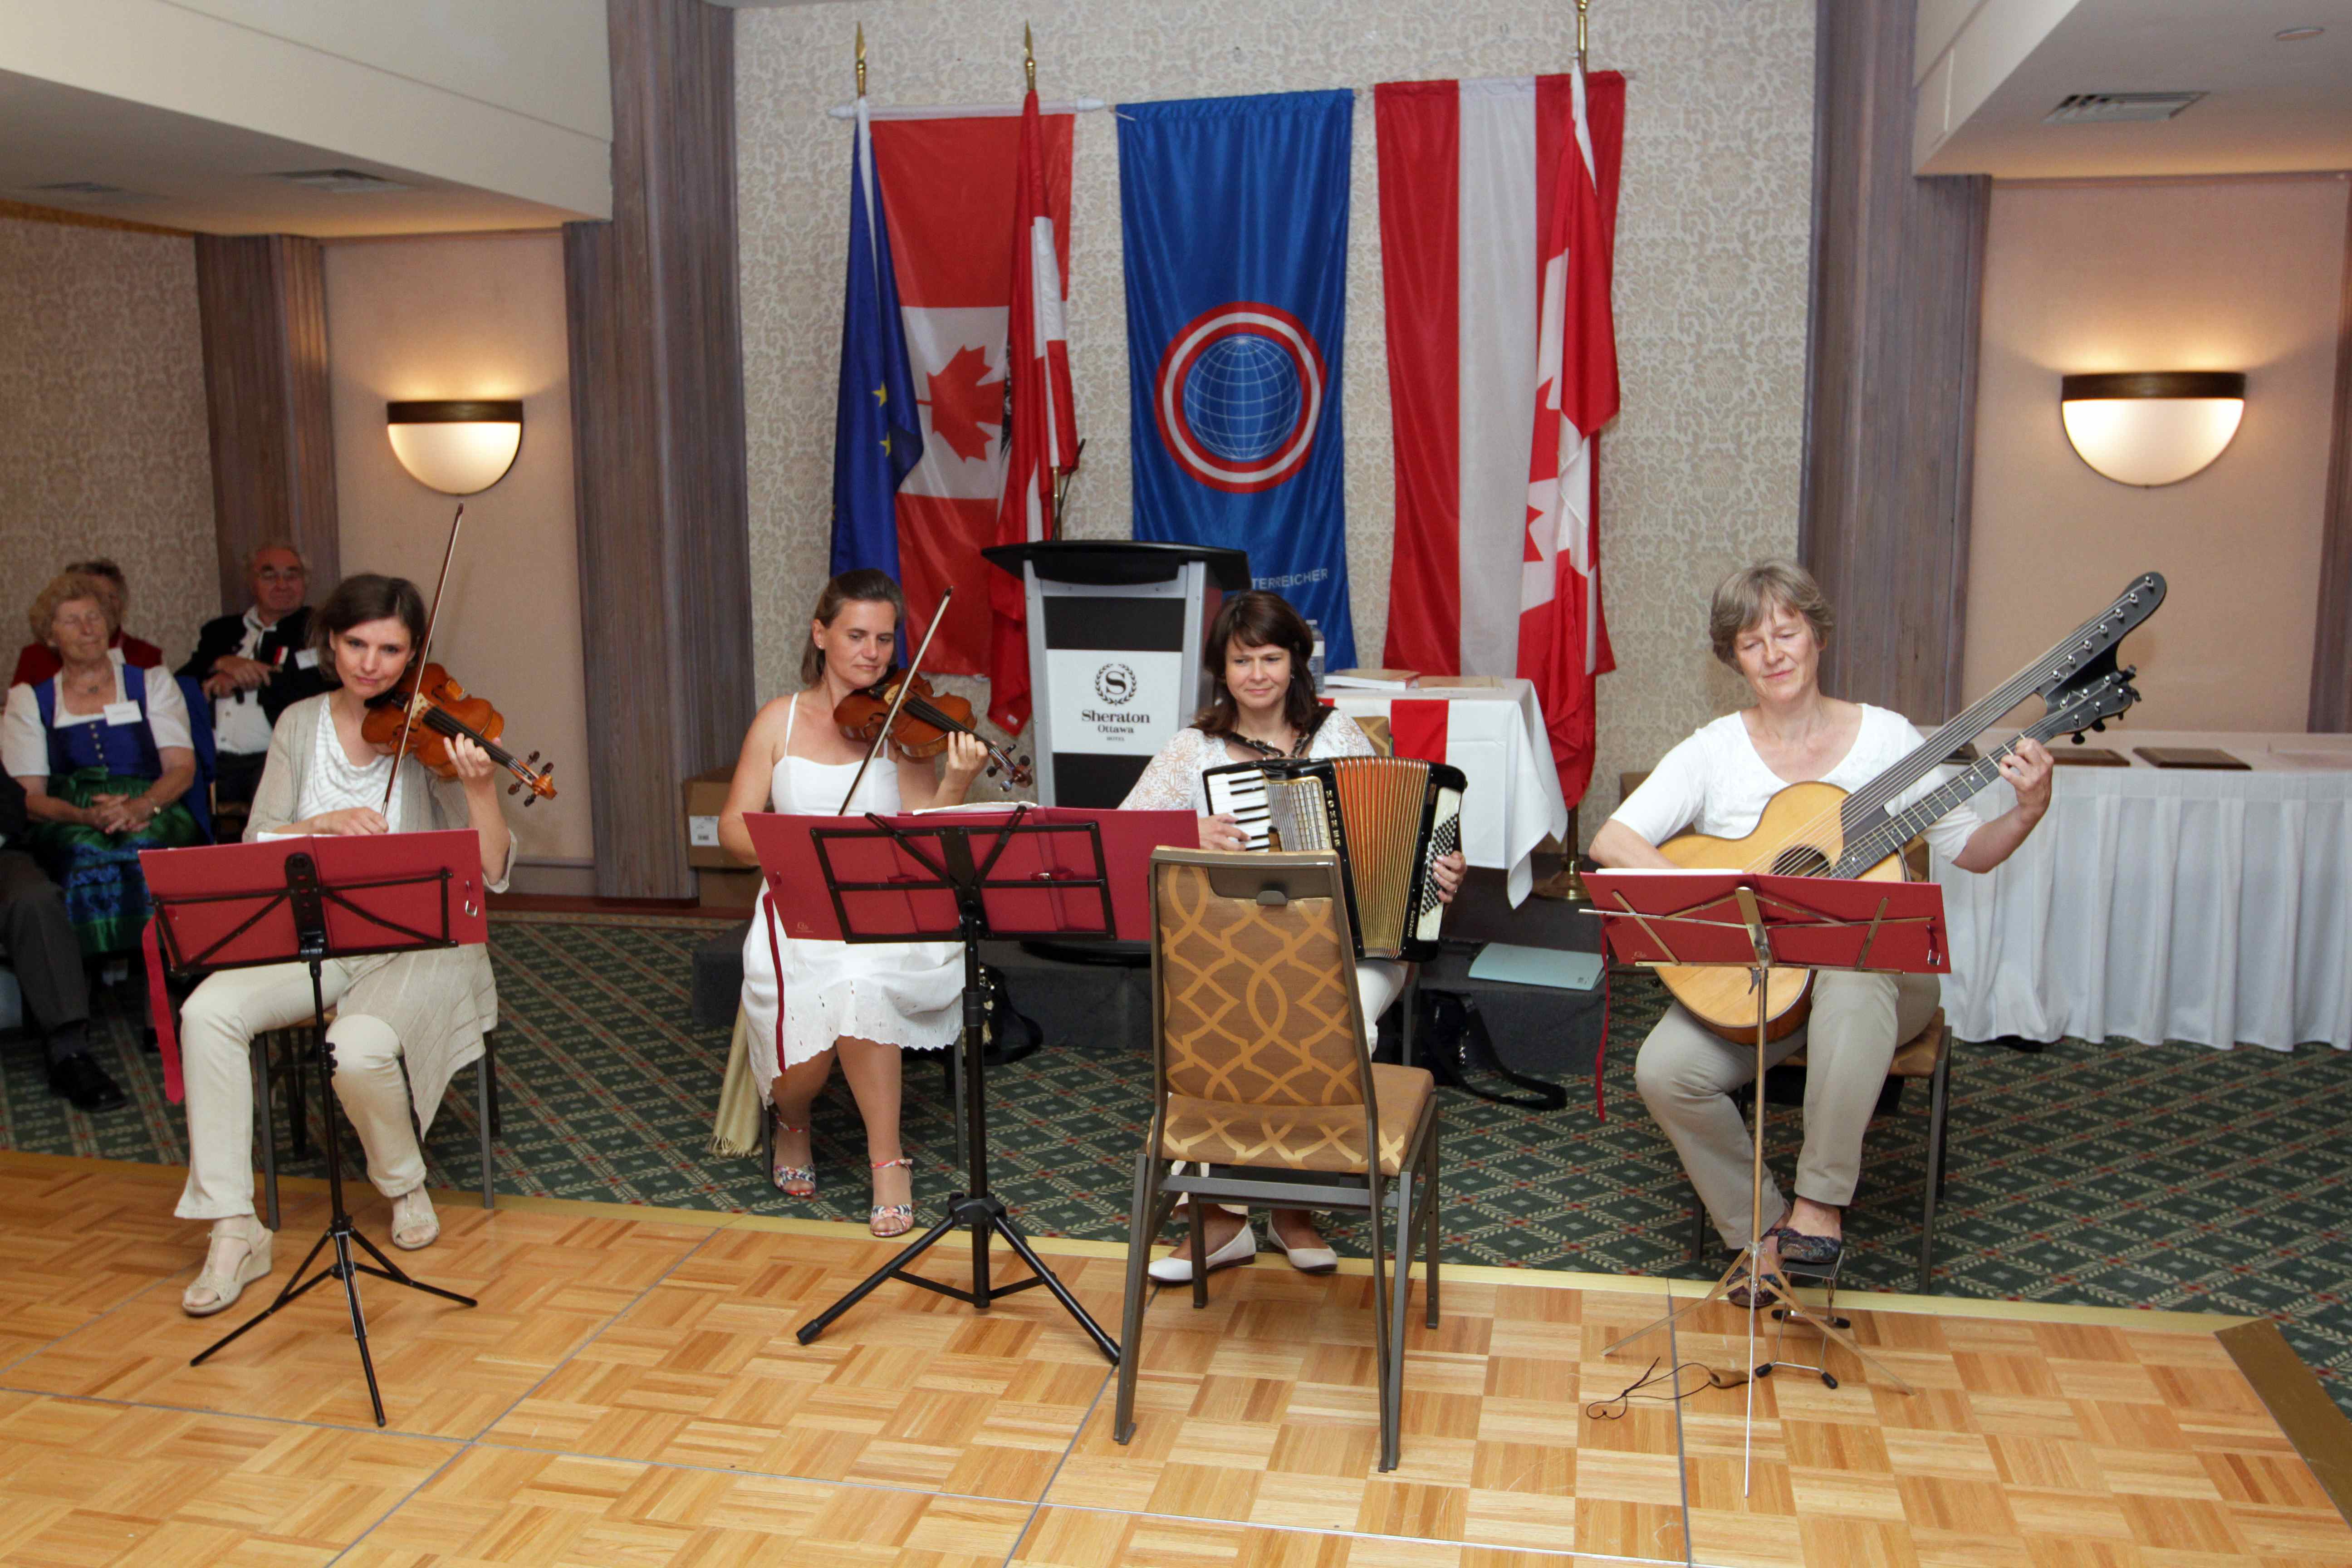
(105,895)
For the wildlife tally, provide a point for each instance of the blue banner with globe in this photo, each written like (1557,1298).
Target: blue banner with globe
(1234,219)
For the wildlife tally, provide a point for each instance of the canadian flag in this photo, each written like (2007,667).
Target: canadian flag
(952,180)
(1045,420)
(1497,202)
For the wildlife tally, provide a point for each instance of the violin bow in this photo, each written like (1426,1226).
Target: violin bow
(424,656)
(906,685)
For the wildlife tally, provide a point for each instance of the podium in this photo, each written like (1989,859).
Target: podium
(1115,630)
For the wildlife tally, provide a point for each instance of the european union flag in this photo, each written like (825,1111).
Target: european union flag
(877,432)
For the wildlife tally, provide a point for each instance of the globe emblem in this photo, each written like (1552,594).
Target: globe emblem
(1242,397)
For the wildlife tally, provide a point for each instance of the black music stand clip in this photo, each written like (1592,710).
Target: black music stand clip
(945,859)
(309,898)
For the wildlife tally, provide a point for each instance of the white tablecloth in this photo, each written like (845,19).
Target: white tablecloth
(1495,736)
(2167,904)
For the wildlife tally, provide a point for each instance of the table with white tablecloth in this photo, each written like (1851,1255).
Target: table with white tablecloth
(1496,735)
(2168,904)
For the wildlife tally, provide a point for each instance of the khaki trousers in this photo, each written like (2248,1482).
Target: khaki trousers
(1687,1074)
(216,1030)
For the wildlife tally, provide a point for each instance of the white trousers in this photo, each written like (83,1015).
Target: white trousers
(217,1031)
(1379,980)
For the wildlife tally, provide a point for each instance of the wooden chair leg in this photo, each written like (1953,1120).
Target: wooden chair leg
(1939,1106)
(486,1111)
(259,1052)
(1428,1206)
(1141,1232)
(300,1050)
(1380,1321)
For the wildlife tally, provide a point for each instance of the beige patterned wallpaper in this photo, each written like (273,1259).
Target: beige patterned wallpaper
(1700,472)
(102,408)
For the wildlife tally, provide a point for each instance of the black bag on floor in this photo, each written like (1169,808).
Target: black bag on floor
(1451,1040)
(1007,1033)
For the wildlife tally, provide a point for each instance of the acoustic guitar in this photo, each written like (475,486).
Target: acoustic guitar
(1819,830)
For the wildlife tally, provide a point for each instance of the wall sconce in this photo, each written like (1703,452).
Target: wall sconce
(2152,428)
(455,448)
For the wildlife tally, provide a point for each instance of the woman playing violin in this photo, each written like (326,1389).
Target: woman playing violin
(427,1008)
(862,1004)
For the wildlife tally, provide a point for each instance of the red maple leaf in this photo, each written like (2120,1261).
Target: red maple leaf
(962,400)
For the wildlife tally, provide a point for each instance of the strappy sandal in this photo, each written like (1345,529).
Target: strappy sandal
(222,1282)
(794,1181)
(415,1226)
(901,1217)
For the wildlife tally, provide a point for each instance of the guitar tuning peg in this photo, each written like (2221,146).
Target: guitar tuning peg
(2077,738)
(2100,725)
(2131,671)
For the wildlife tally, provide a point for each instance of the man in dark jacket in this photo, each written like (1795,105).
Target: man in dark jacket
(46,958)
(256,665)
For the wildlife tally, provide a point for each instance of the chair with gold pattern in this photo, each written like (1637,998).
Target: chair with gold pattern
(1262,1073)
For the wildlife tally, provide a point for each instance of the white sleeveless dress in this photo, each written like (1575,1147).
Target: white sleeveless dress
(906,994)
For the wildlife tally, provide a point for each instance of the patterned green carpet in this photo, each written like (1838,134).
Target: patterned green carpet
(2113,1174)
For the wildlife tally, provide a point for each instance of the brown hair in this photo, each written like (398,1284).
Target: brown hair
(100,566)
(867,585)
(1747,596)
(1260,620)
(356,601)
(63,589)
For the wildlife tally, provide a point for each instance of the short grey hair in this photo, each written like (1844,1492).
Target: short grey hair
(1747,596)
(253,557)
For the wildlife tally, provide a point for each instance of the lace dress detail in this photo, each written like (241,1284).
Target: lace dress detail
(906,994)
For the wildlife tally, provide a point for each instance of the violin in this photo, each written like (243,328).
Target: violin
(922,723)
(427,709)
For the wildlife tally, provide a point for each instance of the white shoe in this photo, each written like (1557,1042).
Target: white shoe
(1179,1270)
(238,1256)
(413,1223)
(1316,1259)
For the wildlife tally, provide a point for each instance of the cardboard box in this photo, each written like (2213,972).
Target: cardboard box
(706,795)
(737,889)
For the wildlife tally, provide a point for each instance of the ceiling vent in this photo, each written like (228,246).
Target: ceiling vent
(84,191)
(343,182)
(2109,107)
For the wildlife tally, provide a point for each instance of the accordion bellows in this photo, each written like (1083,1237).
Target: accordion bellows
(1388,818)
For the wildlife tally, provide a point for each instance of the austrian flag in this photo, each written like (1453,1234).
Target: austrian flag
(1498,222)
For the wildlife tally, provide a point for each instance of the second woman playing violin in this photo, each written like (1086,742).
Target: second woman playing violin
(861,1003)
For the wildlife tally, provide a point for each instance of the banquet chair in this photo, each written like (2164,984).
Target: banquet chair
(1261,1070)
(292,1049)
(1926,1057)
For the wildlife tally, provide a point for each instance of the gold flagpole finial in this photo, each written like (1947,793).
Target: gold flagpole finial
(1029,56)
(1583,6)
(861,59)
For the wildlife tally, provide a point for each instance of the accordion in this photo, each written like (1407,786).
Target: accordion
(1388,818)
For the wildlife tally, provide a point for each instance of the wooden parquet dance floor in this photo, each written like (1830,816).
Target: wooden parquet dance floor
(629,1392)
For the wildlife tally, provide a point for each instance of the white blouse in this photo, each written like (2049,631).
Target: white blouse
(24,751)
(332,783)
(1173,782)
(1717,783)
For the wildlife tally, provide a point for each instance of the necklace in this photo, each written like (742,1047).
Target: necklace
(1268,749)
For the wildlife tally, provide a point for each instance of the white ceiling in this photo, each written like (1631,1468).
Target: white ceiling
(2271,107)
(201,175)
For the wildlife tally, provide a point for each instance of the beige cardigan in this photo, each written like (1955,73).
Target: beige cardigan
(439,1003)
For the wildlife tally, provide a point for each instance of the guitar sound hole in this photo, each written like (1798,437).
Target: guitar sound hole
(1799,860)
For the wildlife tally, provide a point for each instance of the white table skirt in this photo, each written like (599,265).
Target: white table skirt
(1496,735)
(2167,904)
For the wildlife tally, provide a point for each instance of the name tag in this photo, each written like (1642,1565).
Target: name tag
(306,658)
(122,712)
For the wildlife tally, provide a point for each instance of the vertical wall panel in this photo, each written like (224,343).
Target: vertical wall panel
(1898,268)
(263,302)
(657,408)
(2331,649)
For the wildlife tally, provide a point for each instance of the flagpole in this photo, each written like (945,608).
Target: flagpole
(1582,7)
(861,53)
(1029,56)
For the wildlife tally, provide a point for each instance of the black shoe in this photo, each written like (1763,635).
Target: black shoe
(84,1084)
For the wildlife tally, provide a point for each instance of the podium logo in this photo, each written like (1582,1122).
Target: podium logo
(1114,683)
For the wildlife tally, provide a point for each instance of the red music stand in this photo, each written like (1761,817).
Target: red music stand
(963,875)
(1757,921)
(306,901)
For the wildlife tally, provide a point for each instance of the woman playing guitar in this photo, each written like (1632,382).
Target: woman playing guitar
(1769,622)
